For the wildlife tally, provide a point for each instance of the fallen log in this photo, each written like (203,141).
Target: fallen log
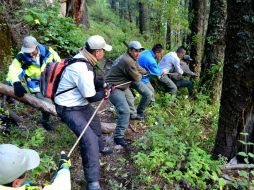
(12,114)
(29,99)
(45,106)
(108,127)
(238,167)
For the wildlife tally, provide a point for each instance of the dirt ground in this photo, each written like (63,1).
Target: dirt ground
(117,169)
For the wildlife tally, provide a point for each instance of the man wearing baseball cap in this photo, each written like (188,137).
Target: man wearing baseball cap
(16,162)
(124,69)
(74,108)
(28,65)
(185,65)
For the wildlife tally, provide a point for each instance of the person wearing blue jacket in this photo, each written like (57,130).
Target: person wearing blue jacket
(28,64)
(147,60)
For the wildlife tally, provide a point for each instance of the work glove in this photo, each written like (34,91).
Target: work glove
(64,162)
(19,90)
(109,89)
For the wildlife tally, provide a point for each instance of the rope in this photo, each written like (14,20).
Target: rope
(90,120)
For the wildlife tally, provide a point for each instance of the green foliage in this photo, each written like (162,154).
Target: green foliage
(53,29)
(245,179)
(178,142)
(35,137)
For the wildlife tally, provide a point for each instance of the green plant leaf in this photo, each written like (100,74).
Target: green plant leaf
(28,18)
(242,154)
(251,155)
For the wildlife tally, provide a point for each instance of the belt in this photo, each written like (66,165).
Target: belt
(60,109)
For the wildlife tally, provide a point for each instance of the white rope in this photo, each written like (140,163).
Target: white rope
(90,120)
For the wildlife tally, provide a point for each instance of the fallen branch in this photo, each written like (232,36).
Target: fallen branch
(45,106)
(238,167)
(28,99)
(108,127)
(12,114)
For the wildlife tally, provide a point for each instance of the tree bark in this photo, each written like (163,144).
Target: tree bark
(215,45)
(77,9)
(236,111)
(6,43)
(168,36)
(143,17)
(198,30)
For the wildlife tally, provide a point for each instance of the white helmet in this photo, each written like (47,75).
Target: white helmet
(15,161)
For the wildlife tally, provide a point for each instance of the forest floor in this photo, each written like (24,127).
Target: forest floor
(117,169)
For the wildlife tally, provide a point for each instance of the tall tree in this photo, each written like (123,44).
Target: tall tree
(5,41)
(143,17)
(199,9)
(212,64)
(113,4)
(236,112)
(168,35)
(77,9)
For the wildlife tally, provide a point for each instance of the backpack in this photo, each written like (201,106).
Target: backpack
(52,74)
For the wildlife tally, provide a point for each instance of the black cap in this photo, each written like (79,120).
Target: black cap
(187,58)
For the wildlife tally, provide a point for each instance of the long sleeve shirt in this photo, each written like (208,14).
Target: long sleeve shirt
(171,63)
(147,61)
(123,70)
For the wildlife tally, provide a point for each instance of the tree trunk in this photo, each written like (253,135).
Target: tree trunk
(197,35)
(123,9)
(6,43)
(236,112)
(77,9)
(143,17)
(113,4)
(168,36)
(129,11)
(211,69)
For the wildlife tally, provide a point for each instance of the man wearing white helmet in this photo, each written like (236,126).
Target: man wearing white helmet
(74,108)
(15,163)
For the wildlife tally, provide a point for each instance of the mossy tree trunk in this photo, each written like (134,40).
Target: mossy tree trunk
(236,113)
(212,64)
(6,43)
(143,17)
(199,8)
(77,9)
(168,36)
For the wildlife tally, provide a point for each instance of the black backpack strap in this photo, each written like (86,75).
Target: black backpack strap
(46,53)
(24,63)
(65,91)
(71,61)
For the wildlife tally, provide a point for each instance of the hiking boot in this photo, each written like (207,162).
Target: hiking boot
(46,125)
(137,117)
(106,151)
(142,115)
(93,186)
(120,141)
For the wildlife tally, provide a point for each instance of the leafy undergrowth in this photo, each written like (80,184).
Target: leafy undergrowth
(32,135)
(171,148)
(177,146)
(61,33)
